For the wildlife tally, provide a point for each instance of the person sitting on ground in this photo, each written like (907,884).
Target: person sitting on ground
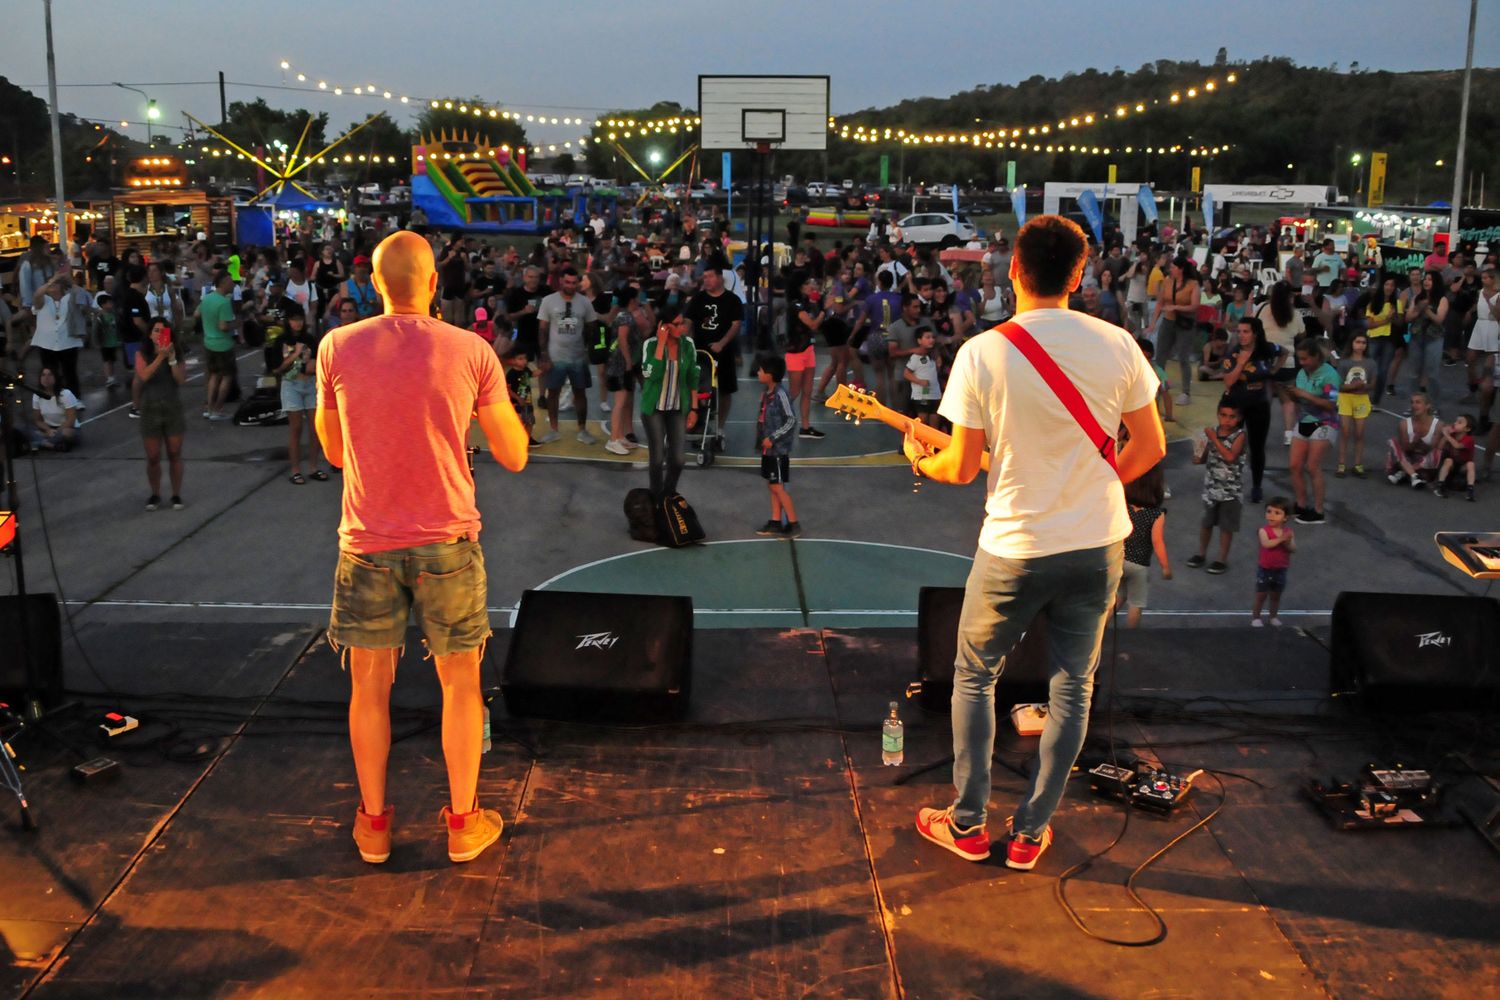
(54,421)
(1457,454)
(1412,455)
(1214,353)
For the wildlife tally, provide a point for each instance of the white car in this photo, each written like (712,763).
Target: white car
(935,227)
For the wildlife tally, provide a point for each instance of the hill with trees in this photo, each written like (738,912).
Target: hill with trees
(1281,122)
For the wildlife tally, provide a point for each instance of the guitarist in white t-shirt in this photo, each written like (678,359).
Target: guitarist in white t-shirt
(1044,403)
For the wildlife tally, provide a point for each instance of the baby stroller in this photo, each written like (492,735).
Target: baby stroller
(706,404)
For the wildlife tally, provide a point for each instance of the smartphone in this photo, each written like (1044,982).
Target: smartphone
(162,337)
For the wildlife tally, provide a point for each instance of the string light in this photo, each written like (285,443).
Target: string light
(1122,111)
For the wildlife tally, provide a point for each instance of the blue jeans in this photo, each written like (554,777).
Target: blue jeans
(1425,361)
(666,448)
(1002,596)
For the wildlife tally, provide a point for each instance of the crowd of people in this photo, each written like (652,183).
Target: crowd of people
(1251,316)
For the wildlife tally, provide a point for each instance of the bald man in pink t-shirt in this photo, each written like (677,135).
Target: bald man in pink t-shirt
(396,395)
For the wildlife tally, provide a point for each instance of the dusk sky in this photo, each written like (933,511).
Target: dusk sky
(577,58)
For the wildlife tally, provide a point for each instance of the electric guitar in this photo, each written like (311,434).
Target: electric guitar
(859,404)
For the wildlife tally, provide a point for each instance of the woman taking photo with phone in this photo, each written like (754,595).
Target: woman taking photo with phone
(160,373)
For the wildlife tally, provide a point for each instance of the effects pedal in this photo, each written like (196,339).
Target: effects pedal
(1160,791)
(1112,781)
(1029,720)
(115,724)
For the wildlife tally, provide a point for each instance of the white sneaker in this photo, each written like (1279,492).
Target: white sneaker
(604,427)
(584,437)
(565,404)
(111,383)
(1184,399)
(549,437)
(1276,621)
(617,448)
(1257,623)
(604,405)
(1396,478)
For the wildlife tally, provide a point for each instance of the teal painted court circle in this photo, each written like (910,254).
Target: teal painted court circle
(774,583)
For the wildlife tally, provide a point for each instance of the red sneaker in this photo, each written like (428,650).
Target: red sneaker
(937,826)
(1023,853)
(372,834)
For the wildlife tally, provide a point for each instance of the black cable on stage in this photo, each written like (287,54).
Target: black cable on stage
(1060,887)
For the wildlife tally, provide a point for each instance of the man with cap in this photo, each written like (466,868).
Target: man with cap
(359,289)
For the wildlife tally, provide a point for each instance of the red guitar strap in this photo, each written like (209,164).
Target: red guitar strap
(1062,386)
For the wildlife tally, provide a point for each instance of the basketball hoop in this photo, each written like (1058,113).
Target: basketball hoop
(762,147)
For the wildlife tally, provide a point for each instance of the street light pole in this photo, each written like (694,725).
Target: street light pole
(57,162)
(151,112)
(1463,132)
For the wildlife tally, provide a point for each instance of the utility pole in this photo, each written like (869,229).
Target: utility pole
(223,105)
(1463,132)
(57,162)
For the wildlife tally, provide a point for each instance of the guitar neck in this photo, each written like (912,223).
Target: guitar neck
(930,436)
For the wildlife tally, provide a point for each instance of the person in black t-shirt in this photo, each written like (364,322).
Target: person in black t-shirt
(453,272)
(133,320)
(716,315)
(521,305)
(803,320)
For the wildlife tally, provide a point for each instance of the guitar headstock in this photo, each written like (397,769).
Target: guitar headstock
(857,403)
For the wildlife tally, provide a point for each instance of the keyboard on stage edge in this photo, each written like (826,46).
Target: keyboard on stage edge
(1476,553)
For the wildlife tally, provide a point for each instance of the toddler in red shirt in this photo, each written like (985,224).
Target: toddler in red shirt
(1277,544)
(1456,447)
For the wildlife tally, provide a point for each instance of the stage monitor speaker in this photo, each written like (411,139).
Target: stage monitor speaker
(1024,679)
(1416,651)
(43,645)
(606,657)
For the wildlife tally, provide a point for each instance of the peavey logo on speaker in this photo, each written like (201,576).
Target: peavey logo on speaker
(597,640)
(1437,640)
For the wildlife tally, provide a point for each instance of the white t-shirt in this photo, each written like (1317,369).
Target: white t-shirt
(1049,490)
(304,294)
(922,367)
(54,410)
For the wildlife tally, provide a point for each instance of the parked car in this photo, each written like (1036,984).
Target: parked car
(936,227)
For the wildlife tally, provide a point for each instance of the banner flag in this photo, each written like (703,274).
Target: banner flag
(1147,199)
(1018,204)
(1089,202)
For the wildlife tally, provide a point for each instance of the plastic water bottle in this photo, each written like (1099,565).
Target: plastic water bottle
(485,746)
(892,739)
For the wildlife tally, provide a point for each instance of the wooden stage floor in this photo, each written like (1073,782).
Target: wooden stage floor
(758,849)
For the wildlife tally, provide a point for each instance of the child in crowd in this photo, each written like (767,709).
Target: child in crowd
(107,336)
(1277,543)
(1164,391)
(1214,353)
(1356,379)
(483,326)
(922,373)
(518,381)
(1457,453)
(1222,450)
(1147,535)
(776,429)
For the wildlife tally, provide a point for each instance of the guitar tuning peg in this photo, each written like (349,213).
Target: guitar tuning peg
(847,418)
(856,421)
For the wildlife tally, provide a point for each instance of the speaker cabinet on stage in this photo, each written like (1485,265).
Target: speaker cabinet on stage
(618,657)
(1024,679)
(1416,651)
(43,645)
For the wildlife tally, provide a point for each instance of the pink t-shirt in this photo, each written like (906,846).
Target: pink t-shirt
(1279,557)
(405,388)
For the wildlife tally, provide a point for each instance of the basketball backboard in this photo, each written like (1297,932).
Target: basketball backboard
(744,112)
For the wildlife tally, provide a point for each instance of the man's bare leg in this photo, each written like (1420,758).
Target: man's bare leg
(463,725)
(372,672)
